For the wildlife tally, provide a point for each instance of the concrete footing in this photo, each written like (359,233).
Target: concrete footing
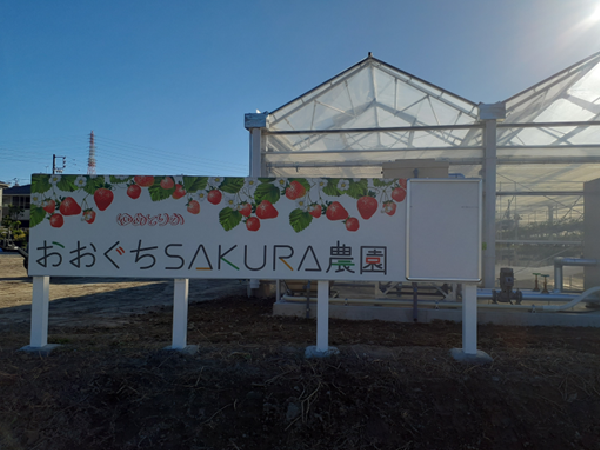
(311,352)
(187,350)
(478,358)
(45,350)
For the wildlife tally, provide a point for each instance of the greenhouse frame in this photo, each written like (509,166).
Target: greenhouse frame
(537,153)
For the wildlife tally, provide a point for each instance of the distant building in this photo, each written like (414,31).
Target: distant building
(3,186)
(15,196)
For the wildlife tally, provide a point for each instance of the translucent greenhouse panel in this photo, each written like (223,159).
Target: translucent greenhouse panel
(368,141)
(588,88)
(563,109)
(588,136)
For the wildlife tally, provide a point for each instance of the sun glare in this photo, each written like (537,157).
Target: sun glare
(595,15)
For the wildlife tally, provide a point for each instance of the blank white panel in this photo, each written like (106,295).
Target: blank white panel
(443,230)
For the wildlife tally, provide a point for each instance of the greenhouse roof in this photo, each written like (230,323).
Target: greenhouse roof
(374,112)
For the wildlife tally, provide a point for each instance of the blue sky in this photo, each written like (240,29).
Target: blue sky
(164,85)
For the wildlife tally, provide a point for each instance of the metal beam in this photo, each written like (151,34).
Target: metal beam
(537,242)
(377,130)
(574,123)
(512,193)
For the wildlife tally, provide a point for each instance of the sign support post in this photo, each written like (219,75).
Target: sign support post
(323,316)
(180,313)
(469,319)
(322,349)
(38,334)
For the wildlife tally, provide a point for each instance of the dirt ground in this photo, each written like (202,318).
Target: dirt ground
(394,386)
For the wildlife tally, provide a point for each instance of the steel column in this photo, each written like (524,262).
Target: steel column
(489,217)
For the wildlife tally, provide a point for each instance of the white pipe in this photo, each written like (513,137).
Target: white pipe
(573,302)
(446,304)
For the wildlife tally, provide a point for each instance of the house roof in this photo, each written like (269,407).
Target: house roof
(17,190)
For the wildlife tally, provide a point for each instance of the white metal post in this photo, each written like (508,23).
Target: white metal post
(180,313)
(323,317)
(277,290)
(38,336)
(469,319)
(489,132)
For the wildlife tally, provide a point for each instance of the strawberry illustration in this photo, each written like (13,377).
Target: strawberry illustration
(144,180)
(134,191)
(49,206)
(389,208)
(179,192)
(214,197)
(352,224)
(266,210)
(253,224)
(89,216)
(167,183)
(399,193)
(246,209)
(366,207)
(315,211)
(295,190)
(193,207)
(69,207)
(103,198)
(56,220)
(336,211)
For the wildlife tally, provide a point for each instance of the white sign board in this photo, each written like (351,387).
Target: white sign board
(202,227)
(443,232)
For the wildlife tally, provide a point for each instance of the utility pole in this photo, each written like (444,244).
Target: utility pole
(58,169)
(92,156)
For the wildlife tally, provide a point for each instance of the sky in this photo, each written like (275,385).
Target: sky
(164,85)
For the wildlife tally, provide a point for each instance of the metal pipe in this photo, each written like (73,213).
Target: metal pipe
(571,302)
(486,294)
(559,262)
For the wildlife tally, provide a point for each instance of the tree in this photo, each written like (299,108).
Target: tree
(13,224)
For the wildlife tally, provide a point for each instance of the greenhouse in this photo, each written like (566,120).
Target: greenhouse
(537,153)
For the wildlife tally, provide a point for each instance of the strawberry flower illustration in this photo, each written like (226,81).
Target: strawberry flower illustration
(54,179)
(343,185)
(36,199)
(80,181)
(215,181)
(302,204)
(229,200)
(201,196)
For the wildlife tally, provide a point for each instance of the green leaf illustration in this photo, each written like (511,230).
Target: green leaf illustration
(332,187)
(116,180)
(358,189)
(36,215)
(229,218)
(93,184)
(158,193)
(194,184)
(232,185)
(266,192)
(40,183)
(67,183)
(300,220)
(382,182)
